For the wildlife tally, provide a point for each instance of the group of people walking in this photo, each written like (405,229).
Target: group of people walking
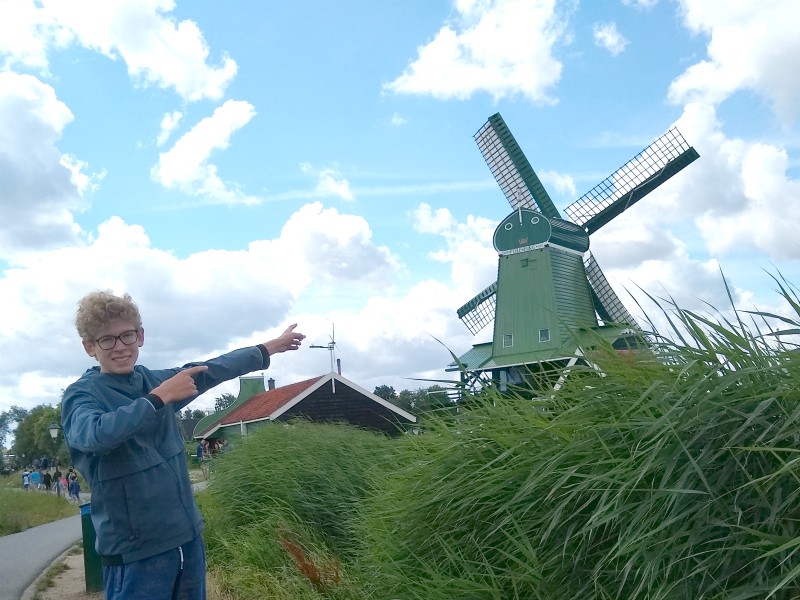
(41,479)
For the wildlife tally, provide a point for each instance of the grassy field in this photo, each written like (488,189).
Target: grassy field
(20,510)
(664,477)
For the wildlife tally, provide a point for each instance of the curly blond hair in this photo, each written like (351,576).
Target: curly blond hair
(98,309)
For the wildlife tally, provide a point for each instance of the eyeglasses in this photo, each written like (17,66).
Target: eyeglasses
(107,342)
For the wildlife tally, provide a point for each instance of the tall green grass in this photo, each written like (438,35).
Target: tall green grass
(20,510)
(670,475)
(281,507)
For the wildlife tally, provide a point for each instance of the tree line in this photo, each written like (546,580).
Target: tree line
(421,400)
(30,431)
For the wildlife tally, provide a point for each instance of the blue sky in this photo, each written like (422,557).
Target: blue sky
(240,166)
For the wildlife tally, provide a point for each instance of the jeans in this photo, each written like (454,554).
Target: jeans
(177,574)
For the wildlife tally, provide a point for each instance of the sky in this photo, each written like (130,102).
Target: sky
(241,166)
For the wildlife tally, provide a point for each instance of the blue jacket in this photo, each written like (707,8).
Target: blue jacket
(132,455)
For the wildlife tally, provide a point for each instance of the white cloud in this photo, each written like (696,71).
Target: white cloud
(468,248)
(169,123)
(738,193)
(185,166)
(398,120)
(561,182)
(606,36)
(337,248)
(157,49)
(640,3)
(192,307)
(751,47)
(768,220)
(40,185)
(502,47)
(329,182)
(23,34)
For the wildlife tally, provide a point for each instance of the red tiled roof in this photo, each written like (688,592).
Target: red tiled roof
(264,404)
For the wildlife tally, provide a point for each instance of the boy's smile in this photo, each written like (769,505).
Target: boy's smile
(121,357)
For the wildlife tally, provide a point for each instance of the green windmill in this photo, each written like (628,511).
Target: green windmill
(551,300)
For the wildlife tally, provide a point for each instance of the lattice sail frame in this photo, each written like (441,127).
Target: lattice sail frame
(479,312)
(646,165)
(616,310)
(512,171)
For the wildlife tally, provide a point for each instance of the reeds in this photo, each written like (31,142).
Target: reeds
(669,475)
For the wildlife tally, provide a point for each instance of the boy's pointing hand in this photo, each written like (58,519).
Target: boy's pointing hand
(179,386)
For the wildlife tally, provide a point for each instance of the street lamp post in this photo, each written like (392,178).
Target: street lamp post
(53,428)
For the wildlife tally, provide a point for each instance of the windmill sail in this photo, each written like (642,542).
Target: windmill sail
(633,181)
(511,169)
(479,312)
(607,303)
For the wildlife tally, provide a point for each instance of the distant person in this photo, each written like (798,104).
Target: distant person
(26,480)
(57,487)
(119,422)
(45,463)
(47,481)
(74,488)
(36,478)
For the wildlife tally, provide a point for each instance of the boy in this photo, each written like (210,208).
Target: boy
(119,422)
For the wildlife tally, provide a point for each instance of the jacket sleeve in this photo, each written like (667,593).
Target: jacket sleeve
(90,428)
(226,367)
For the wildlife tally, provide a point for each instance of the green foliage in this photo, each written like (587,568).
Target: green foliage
(32,435)
(669,475)
(222,402)
(386,392)
(285,500)
(21,510)
(423,400)
(15,414)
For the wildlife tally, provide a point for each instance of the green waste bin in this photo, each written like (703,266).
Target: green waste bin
(92,564)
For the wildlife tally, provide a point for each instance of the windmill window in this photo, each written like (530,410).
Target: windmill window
(535,220)
(508,226)
(544,335)
(508,340)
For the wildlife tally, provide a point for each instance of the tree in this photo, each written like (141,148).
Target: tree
(386,392)
(187,414)
(224,401)
(424,399)
(406,399)
(15,414)
(198,414)
(32,436)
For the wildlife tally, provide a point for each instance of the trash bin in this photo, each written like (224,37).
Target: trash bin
(92,565)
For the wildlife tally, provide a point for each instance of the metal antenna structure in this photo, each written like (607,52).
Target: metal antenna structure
(330,347)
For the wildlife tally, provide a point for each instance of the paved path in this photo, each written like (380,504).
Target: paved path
(25,555)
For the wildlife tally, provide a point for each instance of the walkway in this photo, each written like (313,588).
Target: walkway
(27,554)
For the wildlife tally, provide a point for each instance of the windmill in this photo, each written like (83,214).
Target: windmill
(549,287)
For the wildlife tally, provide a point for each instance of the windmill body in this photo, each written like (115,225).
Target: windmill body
(551,298)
